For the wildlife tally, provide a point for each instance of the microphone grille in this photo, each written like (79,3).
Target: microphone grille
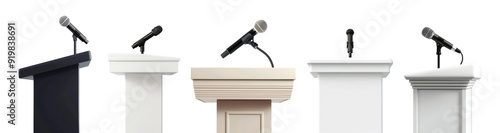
(260,26)
(427,32)
(64,21)
(350,32)
(157,30)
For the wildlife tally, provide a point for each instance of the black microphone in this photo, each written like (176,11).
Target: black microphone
(429,34)
(64,21)
(350,43)
(140,43)
(259,27)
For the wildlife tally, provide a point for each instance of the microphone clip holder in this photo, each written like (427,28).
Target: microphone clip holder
(256,46)
(140,44)
(253,44)
(350,46)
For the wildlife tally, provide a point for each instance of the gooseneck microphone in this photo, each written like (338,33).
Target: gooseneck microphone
(140,43)
(64,21)
(429,34)
(259,27)
(350,43)
(440,42)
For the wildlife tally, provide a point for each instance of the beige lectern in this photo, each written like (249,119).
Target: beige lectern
(243,95)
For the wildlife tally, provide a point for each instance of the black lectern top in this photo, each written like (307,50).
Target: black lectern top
(82,59)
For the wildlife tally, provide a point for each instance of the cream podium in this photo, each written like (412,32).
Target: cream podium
(143,77)
(350,96)
(243,95)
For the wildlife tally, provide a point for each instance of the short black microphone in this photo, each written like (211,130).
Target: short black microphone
(259,27)
(429,34)
(64,21)
(350,43)
(140,43)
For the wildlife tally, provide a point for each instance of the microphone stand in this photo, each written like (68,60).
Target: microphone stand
(256,46)
(74,44)
(438,52)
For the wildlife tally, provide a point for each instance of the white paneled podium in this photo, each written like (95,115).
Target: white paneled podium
(243,95)
(143,77)
(350,96)
(442,99)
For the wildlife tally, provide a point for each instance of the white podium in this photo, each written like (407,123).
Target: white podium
(243,95)
(143,76)
(441,99)
(350,96)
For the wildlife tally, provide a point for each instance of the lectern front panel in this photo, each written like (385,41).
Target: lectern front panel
(244,116)
(56,101)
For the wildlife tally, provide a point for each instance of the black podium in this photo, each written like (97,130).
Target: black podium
(56,93)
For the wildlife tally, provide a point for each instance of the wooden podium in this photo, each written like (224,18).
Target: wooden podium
(56,93)
(243,95)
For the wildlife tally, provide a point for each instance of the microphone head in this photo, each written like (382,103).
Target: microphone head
(428,33)
(350,32)
(64,21)
(260,26)
(157,30)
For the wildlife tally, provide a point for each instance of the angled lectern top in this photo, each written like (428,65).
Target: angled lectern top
(80,59)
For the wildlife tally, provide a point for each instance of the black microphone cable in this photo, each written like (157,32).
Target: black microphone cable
(256,46)
(462,58)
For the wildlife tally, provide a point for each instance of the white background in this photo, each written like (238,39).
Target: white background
(298,31)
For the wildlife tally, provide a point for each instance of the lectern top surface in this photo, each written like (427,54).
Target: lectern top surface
(123,57)
(351,66)
(462,71)
(243,73)
(82,59)
(350,61)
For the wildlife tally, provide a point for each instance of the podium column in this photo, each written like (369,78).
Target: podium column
(350,96)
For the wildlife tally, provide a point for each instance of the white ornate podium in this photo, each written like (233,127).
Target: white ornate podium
(441,99)
(243,95)
(350,96)
(143,76)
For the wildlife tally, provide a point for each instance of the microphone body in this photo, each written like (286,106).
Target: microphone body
(141,42)
(245,39)
(350,43)
(64,21)
(445,43)
(259,27)
(429,33)
(154,32)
